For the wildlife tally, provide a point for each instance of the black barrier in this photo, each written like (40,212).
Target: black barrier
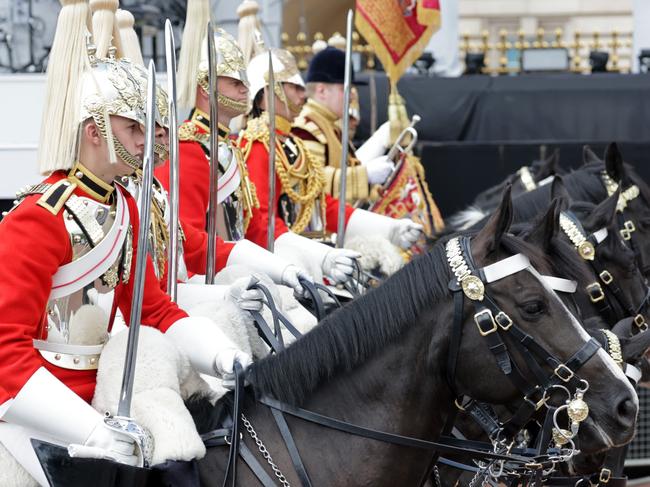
(456,172)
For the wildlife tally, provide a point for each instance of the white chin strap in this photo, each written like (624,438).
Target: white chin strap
(519,262)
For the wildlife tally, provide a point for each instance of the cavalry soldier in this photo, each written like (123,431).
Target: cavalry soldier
(237,196)
(373,180)
(70,239)
(317,126)
(303,206)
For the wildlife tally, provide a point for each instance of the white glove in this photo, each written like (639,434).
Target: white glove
(209,350)
(106,443)
(46,405)
(339,264)
(291,277)
(279,270)
(376,145)
(335,263)
(379,169)
(405,233)
(402,233)
(244,298)
(225,360)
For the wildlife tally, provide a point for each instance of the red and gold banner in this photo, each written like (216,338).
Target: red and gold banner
(397,30)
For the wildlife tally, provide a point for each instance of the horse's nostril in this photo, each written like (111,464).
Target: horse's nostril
(627,410)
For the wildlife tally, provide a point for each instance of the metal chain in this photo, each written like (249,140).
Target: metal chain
(436,476)
(265,453)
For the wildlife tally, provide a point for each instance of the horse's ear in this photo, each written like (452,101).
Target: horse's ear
(549,165)
(589,156)
(560,193)
(547,227)
(604,213)
(490,235)
(614,162)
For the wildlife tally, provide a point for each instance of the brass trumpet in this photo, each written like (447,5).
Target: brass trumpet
(397,148)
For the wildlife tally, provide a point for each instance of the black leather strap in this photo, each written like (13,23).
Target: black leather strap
(386,437)
(233,454)
(289,442)
(255,466)
(314,296)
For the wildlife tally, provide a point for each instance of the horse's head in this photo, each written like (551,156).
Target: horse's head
(619,288)
(534,339)
(544,169)
(634,203)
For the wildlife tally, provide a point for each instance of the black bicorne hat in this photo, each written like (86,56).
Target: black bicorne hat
(328,66)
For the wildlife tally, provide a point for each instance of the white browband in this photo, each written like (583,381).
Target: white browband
(506,267)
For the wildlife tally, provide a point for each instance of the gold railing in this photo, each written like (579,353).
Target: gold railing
(303,50)
(497,50)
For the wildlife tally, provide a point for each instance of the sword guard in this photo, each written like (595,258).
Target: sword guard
(143,439)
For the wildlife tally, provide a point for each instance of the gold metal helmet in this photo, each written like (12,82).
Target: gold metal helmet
(230,59)
(193,59)
(109,87)
(162,99)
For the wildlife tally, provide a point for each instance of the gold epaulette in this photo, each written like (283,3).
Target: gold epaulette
(310,126)
(316,150)
(56,196)
(188,132)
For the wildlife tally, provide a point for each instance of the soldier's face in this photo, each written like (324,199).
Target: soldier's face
(131,134)
(161,151)
(333,97)
(235,90)
(296,98)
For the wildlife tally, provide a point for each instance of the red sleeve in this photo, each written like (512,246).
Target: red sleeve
(194,193)
(258,171)
(157,309)
(195,250)
(332,213)
(33,245)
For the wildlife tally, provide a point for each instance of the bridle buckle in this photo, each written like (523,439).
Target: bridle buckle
(503,320)
(628,228)
(537,405)
(481,317)
(563,372)
(605,475)
(595,292)
(606,277)
(639,321)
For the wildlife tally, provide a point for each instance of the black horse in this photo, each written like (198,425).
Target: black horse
(523,180)
(382,362)
(612,255)
(590,184)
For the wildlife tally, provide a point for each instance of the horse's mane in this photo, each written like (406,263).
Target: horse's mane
(352,335)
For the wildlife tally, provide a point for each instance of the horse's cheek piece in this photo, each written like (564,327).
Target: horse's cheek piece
(473,288)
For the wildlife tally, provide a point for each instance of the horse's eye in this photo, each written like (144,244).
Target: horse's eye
(533,308)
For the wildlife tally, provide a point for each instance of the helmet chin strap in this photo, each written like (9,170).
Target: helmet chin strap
(129,159)
(235,105)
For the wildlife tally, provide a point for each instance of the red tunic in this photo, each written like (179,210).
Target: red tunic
(194,195)
(34,243)
(258,170)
